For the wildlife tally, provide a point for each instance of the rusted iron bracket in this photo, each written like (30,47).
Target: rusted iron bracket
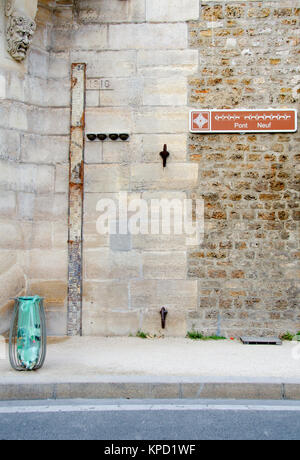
(76,184)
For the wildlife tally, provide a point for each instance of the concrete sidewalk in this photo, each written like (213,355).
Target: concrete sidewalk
(130,367)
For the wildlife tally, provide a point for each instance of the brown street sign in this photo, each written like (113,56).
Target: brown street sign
(253,121)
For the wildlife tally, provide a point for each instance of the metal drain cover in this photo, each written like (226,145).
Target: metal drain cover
(261,340)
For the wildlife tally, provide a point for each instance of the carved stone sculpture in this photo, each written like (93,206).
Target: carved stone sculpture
(20,29)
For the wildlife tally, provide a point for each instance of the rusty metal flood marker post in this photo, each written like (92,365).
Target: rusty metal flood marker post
(76,184)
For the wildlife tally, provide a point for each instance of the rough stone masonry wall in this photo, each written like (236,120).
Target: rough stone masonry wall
(248,266)
(142,48)
(33,198)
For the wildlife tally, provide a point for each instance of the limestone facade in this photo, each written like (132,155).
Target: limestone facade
(34,202)
(160,59)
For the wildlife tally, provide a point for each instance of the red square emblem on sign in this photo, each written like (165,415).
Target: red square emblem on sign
(200,121)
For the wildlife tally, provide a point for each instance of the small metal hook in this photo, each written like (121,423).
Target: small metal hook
(163,314)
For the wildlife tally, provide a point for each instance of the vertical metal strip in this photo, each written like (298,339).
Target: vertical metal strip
(76,184)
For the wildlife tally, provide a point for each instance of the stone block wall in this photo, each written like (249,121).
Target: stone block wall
(160,58)
(141,48)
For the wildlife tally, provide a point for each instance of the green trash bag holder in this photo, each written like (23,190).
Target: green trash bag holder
(28,336)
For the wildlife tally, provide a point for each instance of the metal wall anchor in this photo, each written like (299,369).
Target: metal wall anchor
(164,154)
(163,314)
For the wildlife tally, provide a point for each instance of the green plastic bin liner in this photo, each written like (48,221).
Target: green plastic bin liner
(29,332)
(27,344)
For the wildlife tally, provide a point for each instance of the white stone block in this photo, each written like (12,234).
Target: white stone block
(165,63)
(123,151)
(8,258)
(42,180)
(170,11)
(109,120)
(105,295)
(92,98)
(110,323)
(9,144)
(37,235)
(47,264)
(162,120)
(18,117)
(175,176)
(159,242)
(90,37)
(27,178)
(165,91)
(61,39)
(172,294)
(16,87)
(36,91)
(106,178)
(91,200)
(44,149)
(163,194)
(164,265)
(60,234)
(92,238)
(25,203)
(93,152)
(125,92)
(162,234)
(58,93)
(4,114)
(7,173)
(38,61)
(59,65)
(148,36)
(107,63)
(62,178)
(7,203)
(112,11)
(51,207)
(49,121)
(104,264)
(10,235)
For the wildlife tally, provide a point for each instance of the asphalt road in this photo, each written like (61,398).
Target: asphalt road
(150,420)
